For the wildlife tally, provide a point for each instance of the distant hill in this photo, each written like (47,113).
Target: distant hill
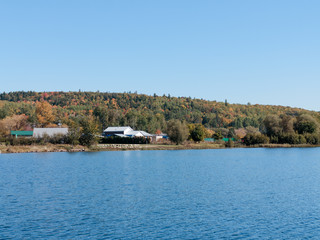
(141,111)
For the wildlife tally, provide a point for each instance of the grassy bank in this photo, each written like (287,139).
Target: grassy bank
(124,147)
(104,147)
(42,148)
(108,147)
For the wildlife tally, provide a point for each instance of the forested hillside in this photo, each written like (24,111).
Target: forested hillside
(143,112)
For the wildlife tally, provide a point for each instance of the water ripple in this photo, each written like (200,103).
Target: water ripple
(195,194)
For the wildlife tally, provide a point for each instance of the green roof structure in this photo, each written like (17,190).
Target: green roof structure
(22,133)
(223,139)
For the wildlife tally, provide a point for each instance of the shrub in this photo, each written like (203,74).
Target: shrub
(251,139)
(198,133)
(313,139)
(290,138)
(229,144)
(177,131)
(19,141)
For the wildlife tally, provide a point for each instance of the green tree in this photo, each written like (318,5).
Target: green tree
(224,132)
(272,125)
(73,135)
(177,131)
(217,135)
(89,133)
(251,139)
(198,133)
(252,130)
(287,123)
(313,139)
(306,124)
(102,115)
(290,138)
(231,133)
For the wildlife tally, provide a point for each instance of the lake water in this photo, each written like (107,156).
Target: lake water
(191,194)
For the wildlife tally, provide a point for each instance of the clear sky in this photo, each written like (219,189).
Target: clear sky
(265,52)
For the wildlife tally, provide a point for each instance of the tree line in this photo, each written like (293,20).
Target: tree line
(182,118)
(141,111)
(283,129)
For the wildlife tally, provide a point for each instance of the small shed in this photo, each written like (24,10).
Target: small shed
(227,139)
(159,137)
(209,139)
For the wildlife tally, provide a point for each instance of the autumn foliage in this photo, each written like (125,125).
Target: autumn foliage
(14,122)
(44,113)
(77,110)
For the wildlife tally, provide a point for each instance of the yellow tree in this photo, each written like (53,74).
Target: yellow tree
(44,113)
(15,122)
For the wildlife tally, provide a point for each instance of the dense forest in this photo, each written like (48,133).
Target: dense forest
(142,112)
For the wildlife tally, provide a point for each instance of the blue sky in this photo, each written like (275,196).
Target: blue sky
(265,52)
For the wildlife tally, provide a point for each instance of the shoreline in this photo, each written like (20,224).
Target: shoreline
(133,147)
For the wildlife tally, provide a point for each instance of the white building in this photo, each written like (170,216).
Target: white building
(40,132)
(114,131)
(139,134)
(159,137)
(125,132)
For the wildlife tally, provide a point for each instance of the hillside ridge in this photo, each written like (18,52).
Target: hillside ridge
(142,111)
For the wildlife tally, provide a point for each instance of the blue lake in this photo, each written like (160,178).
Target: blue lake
(187,194)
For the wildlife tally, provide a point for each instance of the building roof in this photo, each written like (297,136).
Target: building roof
(126,131)
(121,135)
(134,133)
(163,134)
(145,134)
(21,133)
(39,132)
(118,129)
